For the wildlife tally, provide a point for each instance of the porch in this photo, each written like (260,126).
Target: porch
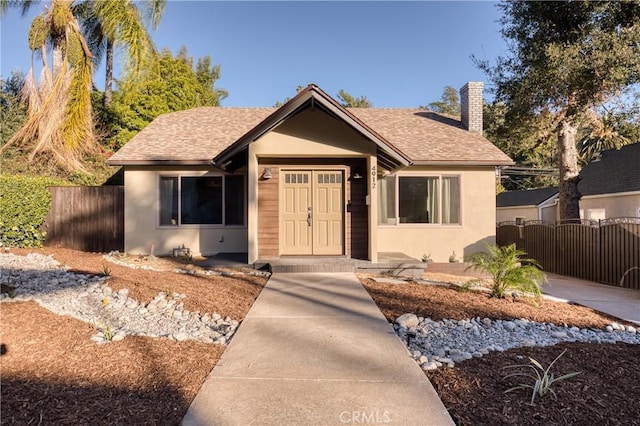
(388,262)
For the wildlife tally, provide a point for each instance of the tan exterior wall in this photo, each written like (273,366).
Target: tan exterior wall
(313,134)
(478,217)
(615,205)
(141,220)
(504,214)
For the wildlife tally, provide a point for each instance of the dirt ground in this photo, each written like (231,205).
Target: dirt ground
(53,374)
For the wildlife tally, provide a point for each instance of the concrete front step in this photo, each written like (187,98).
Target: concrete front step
(327,267)
(400,266)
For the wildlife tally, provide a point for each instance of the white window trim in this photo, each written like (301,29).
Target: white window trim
(424,225)
(180,175)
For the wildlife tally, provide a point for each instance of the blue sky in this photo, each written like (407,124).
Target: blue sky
(398,54)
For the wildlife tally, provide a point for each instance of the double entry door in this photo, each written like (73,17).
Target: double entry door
(312,212)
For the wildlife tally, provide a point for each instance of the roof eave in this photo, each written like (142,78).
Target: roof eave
(495,163)
(517,206)
(161,162)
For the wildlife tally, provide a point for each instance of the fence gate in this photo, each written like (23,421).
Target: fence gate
(87,218)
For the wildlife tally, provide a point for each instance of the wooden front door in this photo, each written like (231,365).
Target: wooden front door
(312,212)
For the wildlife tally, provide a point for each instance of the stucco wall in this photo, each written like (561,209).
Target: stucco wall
(141,220)
(504,214)
(478,213)
(615,206)
(313,133)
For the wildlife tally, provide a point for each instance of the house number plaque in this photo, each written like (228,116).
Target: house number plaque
(374,176)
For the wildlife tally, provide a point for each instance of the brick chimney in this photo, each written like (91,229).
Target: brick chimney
(471,106)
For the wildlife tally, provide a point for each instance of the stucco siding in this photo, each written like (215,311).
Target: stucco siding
(504,214)
(478,220)
(313,134)
(614,205)
(141,220)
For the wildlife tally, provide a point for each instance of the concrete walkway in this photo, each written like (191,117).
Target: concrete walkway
(619,302)
(315,349)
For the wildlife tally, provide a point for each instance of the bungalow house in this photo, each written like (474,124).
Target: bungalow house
(312,178)
(610,184)
(527,204)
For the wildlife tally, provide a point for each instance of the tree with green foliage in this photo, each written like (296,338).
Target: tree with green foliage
(107,24)
(60,114)
(170,84)
(13,110)
(606,129)
(566,58)
(59,117)
(448,104)
(349,101)
(527,142)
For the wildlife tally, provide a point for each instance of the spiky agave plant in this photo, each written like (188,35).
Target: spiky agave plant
(543,379)
(509,270)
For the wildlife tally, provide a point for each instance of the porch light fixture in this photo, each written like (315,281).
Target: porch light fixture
(356,175)
(266,174)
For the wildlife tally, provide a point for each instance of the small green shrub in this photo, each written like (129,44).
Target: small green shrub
(25,202)
(508,270)
(542,379)
(106,271)
(107,327)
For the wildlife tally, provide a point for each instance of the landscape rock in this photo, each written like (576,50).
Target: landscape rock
(407,321)
(447,342)
(89,298)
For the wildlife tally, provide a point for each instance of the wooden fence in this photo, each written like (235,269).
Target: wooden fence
(606,251)
(87,218)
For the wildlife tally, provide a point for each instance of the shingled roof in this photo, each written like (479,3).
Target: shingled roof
(615,171)
(199,135)
(525,197)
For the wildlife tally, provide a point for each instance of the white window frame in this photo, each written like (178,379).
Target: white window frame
(439,176)
(179,176)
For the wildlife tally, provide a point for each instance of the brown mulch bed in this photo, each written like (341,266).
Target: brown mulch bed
(52,373)
(473,391)
(603,394)
(438,303)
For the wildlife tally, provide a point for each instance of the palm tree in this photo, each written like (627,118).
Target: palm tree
(508,269)
(109,22)
(59,115)
(601,133)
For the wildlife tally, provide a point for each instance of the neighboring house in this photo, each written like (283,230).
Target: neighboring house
(610,184)
(525,205)
(312,178)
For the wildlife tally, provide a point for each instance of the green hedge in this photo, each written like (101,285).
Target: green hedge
(24,203)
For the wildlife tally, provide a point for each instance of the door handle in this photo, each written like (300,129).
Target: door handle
(309,216)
